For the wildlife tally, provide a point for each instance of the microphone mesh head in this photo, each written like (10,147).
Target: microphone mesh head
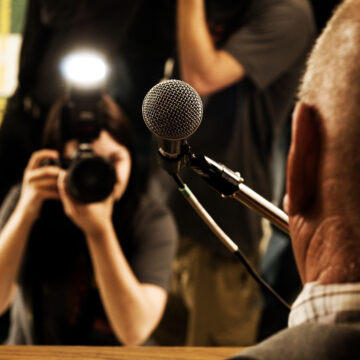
(172,110)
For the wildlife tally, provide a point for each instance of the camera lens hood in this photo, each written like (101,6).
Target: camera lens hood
(90,179)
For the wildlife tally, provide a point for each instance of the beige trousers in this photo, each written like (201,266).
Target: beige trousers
(222,299)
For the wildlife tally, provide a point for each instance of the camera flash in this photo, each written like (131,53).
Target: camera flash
(84,69)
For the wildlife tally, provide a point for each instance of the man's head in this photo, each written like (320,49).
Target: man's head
(323,192)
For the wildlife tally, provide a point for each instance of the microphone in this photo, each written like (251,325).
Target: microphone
(172,111)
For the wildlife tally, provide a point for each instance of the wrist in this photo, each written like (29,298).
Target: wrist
(99,232)
(28,212)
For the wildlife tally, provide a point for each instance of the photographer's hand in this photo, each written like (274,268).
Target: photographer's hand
(93,218)
(39,183)
(133,308)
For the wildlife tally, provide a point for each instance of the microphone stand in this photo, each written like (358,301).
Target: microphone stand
(229,184)
(224,238)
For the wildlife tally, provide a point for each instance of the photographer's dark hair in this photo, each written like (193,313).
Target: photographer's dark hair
(112,119)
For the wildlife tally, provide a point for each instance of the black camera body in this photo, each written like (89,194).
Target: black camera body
(90,178)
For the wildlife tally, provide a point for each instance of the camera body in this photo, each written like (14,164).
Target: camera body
(90,178)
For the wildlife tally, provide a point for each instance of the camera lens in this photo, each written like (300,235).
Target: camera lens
(90,179)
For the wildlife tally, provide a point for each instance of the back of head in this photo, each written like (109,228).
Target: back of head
(324,162)
(331,85)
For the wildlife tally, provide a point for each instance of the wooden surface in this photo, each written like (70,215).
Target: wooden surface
(112,353)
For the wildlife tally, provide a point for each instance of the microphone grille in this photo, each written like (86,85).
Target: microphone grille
(172,110)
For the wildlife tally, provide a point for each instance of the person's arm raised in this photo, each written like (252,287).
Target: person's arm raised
(133,308)
(202,66)
(39,183)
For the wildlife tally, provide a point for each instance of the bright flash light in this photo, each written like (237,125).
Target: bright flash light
(84,69)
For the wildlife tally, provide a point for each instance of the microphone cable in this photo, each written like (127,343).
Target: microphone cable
(225,239)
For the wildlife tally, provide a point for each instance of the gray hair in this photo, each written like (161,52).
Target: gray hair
(331,84)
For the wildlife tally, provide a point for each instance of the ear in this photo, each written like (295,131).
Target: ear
(303,160)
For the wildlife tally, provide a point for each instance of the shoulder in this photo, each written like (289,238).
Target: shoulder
(154,242)
(270,17)
(297,8)
(9,203)
(12,196)
(274,39)
(300,10)
(279,14)
(152,214)
(274,26)
(151,208)
(308,341)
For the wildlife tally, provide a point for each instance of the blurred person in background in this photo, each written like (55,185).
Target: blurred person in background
(83,273)
(245,59)
(128,34)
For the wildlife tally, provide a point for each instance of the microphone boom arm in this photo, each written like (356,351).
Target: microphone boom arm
(231,185)
(263,207)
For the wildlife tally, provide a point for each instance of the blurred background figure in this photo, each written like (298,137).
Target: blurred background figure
(129,37)
(81,266)
(245,59)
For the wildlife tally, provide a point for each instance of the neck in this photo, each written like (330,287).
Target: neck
(333,253)
(326,235)
(333,249)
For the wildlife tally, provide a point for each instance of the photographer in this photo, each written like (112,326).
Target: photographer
(83,272)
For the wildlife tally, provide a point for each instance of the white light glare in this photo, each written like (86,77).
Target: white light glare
(84,69)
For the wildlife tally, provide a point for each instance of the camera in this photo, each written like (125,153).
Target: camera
(90,178)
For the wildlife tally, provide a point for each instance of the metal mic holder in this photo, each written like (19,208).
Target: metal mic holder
(230,184)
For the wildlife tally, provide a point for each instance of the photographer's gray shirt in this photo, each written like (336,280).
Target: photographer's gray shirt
(58,300)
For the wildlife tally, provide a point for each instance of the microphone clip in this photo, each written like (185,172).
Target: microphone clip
(173,164)
(231,185)
(217,175)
